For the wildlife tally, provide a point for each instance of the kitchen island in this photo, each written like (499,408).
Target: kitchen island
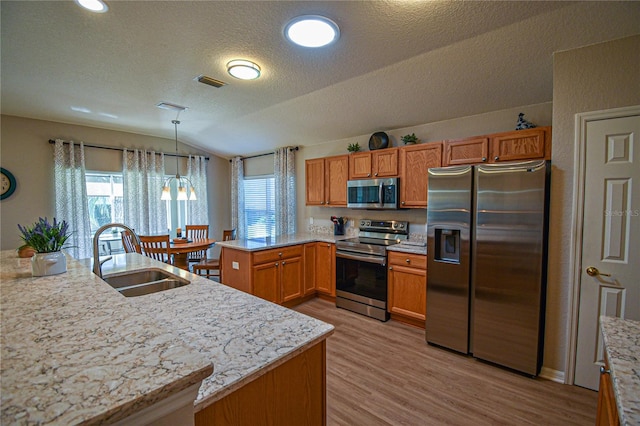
(74,350)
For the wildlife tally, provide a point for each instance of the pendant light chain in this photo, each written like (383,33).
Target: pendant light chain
(182,189)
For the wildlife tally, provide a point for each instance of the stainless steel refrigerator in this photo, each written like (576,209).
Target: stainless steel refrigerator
(487,229)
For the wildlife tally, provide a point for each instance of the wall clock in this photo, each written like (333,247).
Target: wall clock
(7,183)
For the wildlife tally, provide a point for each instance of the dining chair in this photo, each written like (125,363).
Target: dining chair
(156,247)
(197,232)
(129,243)
(210,268)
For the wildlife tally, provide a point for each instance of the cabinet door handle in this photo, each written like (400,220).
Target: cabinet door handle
(276,263)
(283,263)
(321,202)
(496,158)
(368,174)
(408,260)
(484,159)
(375,174)
(391,268)
(280,254)
(603,370)
(402,203)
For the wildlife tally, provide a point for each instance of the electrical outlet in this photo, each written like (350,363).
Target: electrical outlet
(235,265)
(310,221)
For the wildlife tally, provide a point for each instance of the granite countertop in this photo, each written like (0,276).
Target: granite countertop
(244,336)
(622,343)
(280,241)
(74,350)
(413,247)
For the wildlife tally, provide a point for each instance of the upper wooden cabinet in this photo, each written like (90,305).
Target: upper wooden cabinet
(466,151)
(374,164)
(521,145)
(415,160)
(516,145)
(326,181)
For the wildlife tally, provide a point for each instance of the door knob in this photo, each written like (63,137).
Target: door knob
(592,271)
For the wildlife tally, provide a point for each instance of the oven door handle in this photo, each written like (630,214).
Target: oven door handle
(362,257)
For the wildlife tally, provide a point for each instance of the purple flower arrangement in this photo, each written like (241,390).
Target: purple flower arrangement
(45,237)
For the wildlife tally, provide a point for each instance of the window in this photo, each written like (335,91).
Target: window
(104,194)
(259,206)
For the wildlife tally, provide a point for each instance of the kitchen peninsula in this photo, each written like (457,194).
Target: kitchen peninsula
(74,350)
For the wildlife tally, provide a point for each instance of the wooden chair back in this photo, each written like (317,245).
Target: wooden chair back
(197,232)
(129,244)
(211,267)
(229,234)
(156,247)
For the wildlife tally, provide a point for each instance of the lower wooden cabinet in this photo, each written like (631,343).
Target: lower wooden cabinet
(286,275)
(326,269)
(607,414)
(407,287)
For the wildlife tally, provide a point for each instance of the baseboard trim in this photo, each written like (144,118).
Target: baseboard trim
(553,375)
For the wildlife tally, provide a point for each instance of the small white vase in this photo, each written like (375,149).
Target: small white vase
(43,264)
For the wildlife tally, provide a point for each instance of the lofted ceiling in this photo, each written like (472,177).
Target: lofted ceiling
(398,63)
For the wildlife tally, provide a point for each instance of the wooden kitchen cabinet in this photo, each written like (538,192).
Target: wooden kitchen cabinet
(517,145)
(373,164)
(607,414)
(309,285)
(466,151)
(326,181)
(278,274)
(527,144)
(326,269)
(415,160)
(407,287)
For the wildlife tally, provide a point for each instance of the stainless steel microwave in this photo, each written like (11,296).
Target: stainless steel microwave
(380,194)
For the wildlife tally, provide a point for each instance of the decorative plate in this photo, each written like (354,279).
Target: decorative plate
(7,183)
(378,140)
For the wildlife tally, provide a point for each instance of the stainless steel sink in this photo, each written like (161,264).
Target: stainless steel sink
(144,281)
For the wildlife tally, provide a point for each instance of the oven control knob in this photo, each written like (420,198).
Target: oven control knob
(401,225)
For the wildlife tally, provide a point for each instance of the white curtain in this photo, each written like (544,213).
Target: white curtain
(143,177)
(71,196)
(198,212)
(237,197)
(285,190)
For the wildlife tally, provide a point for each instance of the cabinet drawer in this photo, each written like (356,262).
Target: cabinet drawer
(408,259)
(274,255)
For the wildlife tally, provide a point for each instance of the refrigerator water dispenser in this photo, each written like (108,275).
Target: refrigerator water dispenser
(447,245)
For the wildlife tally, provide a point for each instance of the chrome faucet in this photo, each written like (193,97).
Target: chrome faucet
(97,263)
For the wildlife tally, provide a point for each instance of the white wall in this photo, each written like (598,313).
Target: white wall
(26,153)
(591,78)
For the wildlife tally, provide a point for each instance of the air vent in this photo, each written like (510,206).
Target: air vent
(172,107)
(210,81)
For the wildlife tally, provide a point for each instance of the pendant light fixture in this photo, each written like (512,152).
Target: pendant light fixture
(182,181)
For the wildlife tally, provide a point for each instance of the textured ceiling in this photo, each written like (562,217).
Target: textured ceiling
(397,64)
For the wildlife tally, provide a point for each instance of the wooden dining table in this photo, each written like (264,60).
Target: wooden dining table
(180,251)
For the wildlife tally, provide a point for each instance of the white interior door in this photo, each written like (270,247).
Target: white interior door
(610,265)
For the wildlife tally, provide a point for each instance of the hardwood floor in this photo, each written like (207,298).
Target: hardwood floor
(386,374)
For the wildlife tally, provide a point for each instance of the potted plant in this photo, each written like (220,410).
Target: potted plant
(353,147)
(47,240)
(409,139)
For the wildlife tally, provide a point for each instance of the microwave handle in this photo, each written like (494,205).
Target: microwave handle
(381,193)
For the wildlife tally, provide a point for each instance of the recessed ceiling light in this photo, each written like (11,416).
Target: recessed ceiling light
(312,31)
(243,69)
(97,6)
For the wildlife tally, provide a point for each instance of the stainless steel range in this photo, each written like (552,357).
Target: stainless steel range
(361,267)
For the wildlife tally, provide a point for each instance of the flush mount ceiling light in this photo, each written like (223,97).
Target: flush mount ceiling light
(243,69)
(97,6)
(312,31)
(181,181)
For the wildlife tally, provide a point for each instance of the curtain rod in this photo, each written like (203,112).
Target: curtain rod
(113,148)
(295,148)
